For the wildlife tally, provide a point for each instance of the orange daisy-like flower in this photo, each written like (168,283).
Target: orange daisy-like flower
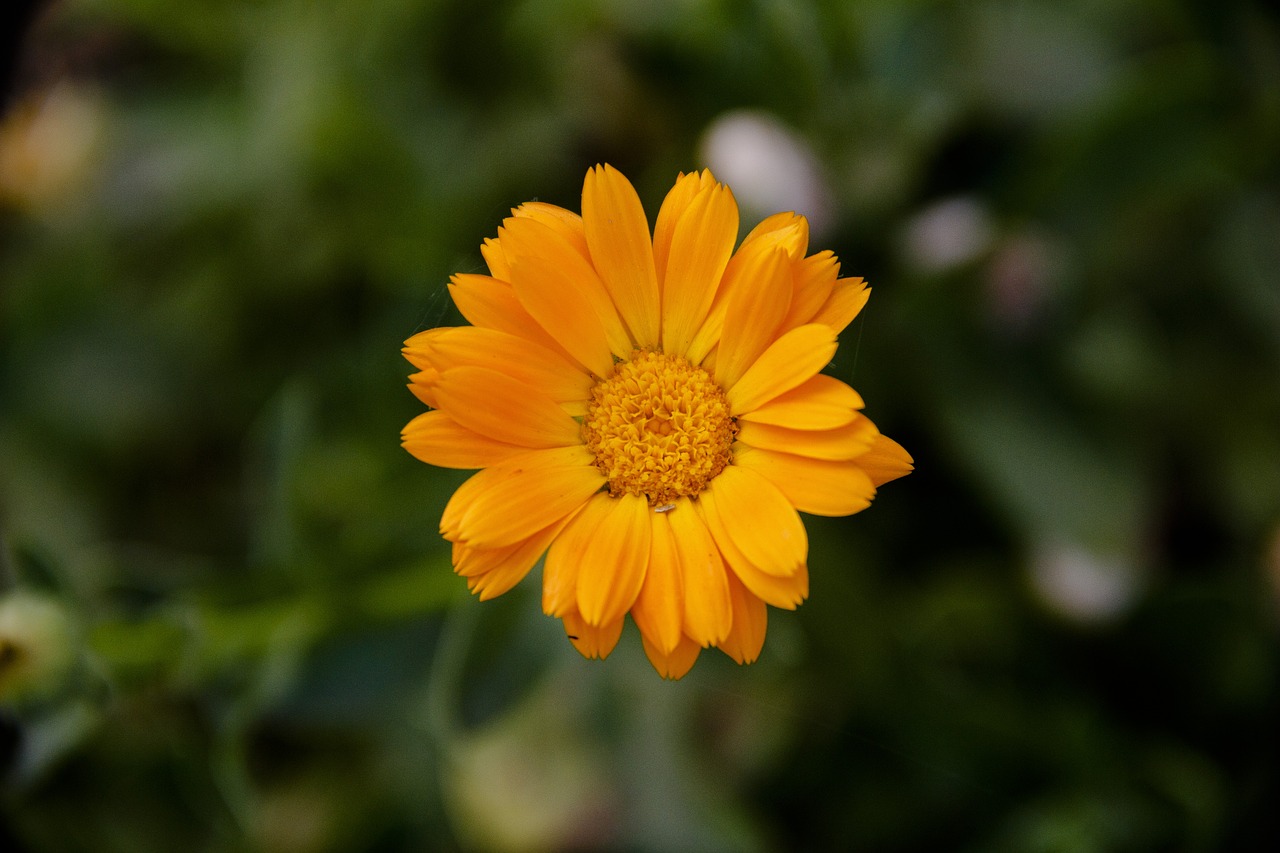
(648,412)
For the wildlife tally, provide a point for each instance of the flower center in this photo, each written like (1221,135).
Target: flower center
(659,427)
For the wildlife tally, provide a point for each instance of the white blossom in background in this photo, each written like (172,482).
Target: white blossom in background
(1020,281)
(770,167)
(947,234)
(1082,585)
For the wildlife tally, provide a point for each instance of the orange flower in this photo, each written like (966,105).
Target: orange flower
(649,413)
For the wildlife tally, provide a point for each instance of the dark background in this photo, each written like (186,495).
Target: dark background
(229,622)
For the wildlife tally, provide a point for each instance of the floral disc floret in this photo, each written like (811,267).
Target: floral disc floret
(659,427)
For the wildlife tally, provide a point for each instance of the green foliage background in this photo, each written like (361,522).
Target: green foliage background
(232,624)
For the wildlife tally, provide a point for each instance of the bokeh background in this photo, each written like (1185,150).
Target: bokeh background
(227,619)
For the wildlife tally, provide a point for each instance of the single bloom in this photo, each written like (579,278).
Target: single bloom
(648,411)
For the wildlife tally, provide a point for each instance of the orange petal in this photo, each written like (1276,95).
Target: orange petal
(617,233)
(758,517)
(784,232)
(422,386)
(847,298)
(788,362)
(750,620)
(815,486)
(789,230)
(673,207)
(516,502)
(564,557)
(814,277)
(463,497)
(492,304)
(505,409)
(700,248)
(676,663)
(527,240)
(708,613)
(614,561)
(492,572)
(469,562)
(752,313)
(659,608)
(438,439)
(844,442)
(495,259)
(530,364)
(558,304)
(782,592)
(886,460)
(592,642)
(415,349)
(566,223)
(702,349)
(823,402)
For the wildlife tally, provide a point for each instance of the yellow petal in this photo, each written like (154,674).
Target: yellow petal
(495,259)
(659,608)
(553,302)
(708,613)
(788,230)
(673,207)
(438,439)
(844,442)
(614,561)
(592,642)
(422,385)
(782,592)
(886,460)
(564,557)
(702,349)
(469,561)
(750,620)
(416,348)
(675,664)
(813,278)
(530,364)
(785,232)
(823,402)
(789,361)
(752,313)
(566,223)
(700,248)
(572,276)
(520,501)
(617,233)
(505,567)
(464,496)
(492,304)
(815,486)
(759,519)
(503,562)
(504,409)
(847,299)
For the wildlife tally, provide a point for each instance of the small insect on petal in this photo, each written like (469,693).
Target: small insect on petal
(664,508)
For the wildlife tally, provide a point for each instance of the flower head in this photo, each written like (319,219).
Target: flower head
(647,410)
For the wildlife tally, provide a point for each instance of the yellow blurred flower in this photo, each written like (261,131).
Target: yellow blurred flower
(48,143)
(35,645)
(647,410)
